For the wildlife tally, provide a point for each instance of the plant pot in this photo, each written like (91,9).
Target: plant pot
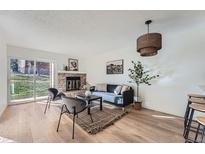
(137,103)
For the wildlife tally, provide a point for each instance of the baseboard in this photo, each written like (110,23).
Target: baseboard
(3,109)
(158,110)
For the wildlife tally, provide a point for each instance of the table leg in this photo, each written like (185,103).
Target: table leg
(186,116)
(88,107)
(101,104)
(187,128)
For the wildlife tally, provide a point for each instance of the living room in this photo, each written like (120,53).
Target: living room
(72,76)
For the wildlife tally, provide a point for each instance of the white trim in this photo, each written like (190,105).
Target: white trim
(3,109)
(8,80)
(71,72)
(34,81)
(28,100)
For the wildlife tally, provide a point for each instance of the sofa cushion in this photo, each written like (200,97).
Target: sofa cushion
(117,90)
(101,87)
(110,97)
(111,88)
(124,88)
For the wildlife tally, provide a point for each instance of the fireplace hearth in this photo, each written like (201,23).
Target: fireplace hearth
(72,83)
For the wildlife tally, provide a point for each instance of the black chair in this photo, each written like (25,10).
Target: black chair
(72,106)
(53,95)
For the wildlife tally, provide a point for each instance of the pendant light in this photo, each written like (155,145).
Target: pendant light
(149,44)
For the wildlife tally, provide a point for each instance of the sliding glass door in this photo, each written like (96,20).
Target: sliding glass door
(29,80)
(43,78)
(21,80)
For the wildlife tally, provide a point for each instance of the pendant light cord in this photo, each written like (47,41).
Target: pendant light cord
(147,23)
(147,31)
(148,28)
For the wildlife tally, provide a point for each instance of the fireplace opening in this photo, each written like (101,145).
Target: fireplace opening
(72,83)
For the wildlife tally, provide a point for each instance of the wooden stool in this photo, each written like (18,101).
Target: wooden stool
(193,107)
(193,98)
(201,122)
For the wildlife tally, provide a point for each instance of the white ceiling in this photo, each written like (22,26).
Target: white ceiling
(88,32)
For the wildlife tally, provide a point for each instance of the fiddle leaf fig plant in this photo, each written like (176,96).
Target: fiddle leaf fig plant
(140,76)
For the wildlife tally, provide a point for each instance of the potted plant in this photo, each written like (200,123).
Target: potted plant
(140,76)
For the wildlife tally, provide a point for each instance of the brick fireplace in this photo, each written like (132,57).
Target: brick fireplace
(70,80)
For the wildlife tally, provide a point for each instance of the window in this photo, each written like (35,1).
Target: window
(29,79)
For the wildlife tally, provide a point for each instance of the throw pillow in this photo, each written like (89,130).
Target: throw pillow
(117,90)
(124,88)
(101,87)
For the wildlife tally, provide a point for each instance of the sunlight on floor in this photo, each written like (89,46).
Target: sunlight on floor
(56,103)
(6,140)
(164,117)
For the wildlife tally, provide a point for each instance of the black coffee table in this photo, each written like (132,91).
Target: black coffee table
(89,99)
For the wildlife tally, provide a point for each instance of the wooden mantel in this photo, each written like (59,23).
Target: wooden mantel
(71,72)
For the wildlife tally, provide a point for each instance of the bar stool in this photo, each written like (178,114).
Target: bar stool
(200,107)
(201,122)
(196,98)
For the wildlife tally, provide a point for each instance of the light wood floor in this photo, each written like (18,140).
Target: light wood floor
(27,123)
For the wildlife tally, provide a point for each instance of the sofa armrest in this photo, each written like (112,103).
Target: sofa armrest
(128,97)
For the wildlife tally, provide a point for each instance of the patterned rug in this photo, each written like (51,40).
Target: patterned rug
(101,119)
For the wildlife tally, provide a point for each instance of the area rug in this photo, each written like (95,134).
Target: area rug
(101,119)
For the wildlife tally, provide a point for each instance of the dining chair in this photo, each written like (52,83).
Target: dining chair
(53,95)
(72,106)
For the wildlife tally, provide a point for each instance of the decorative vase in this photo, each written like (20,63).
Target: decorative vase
(87,93)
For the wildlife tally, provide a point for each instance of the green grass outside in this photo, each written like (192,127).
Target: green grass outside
(23,86)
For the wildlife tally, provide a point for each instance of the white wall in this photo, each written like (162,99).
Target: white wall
(59,59)
(3,76)
(180,63)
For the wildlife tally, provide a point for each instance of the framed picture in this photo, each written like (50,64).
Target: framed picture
(114,67)
(73,64)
